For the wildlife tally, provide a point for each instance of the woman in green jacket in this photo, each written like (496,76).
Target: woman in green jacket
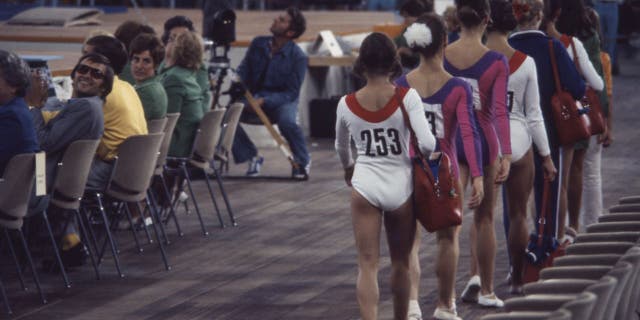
(145,53)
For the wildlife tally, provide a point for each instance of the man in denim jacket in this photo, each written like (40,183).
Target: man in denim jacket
(273,70)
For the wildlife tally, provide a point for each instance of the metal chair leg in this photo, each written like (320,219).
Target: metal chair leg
(55,249)
(133,227)
(152,206)
(5,299)
(226,199)
(114,251)
(15,259)
(83,232)
(36,279)
(213,199)
(154,216)
(94,240)
(172,212)
(195,203)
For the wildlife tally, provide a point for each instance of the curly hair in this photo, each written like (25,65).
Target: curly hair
(174,22)
(188,50)
(378,56)
(149,42)
(15,72)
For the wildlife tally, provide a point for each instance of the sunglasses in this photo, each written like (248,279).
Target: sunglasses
(95,73)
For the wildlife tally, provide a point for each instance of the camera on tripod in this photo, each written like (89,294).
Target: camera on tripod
(220,30)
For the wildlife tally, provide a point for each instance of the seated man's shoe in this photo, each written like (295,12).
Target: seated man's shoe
(302,172)
(255,164)
(76,256)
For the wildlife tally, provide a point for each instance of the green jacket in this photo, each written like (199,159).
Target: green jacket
(202,75)
(153,98)
(592,46)
(184,96)
(126,75)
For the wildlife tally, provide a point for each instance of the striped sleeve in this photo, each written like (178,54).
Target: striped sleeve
(468,127)
(499,99)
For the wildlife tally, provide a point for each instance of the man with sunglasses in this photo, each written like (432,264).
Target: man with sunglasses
(59,123)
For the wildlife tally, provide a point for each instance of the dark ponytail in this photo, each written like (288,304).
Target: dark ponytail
(471,13)
(377,57)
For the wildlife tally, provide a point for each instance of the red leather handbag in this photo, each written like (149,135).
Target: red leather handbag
(568,116)
(591,101)
(436,194)
(543,246)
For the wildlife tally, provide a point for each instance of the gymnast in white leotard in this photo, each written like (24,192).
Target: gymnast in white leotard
(527,125)
(382,174)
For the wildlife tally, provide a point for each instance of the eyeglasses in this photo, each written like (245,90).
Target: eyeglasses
(95,73)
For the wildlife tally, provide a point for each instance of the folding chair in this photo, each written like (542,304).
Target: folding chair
(129,182)
(204,146)
(15,192)
(69,186)
(230,124)
(156,125)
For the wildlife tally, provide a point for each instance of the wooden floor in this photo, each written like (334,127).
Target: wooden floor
(292,255)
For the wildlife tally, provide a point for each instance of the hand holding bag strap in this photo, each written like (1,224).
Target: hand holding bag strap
(545,213)
(554,66)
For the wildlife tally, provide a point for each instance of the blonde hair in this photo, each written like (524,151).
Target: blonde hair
(188,50)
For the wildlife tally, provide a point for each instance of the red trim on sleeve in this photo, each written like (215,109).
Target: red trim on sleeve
(566,40)
(375,116)
(516,61)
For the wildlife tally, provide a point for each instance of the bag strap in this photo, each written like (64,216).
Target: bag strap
(405,115)
(576,60)
(545,213)
(554,66)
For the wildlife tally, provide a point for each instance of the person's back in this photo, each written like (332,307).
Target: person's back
(153,98)
(123,117)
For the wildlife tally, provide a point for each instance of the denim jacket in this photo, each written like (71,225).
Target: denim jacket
(284,73)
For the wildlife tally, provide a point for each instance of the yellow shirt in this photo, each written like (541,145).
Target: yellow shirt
(123,117)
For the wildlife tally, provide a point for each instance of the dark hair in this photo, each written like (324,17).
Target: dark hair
(416,8)
(472,12)
(438,35)
(378,56)
(15,72)
(107,82)
(502,17)
(573,19)
(128,30)
(149,42)
(111,48)
(298,23)
(174,22)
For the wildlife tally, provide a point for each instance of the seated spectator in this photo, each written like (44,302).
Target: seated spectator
(172,28)
(145,54)
(183,58)
(126,32)
(123,113)
(75,119)
(16,127)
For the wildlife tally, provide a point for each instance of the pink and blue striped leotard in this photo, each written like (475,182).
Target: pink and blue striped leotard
(488,80)
(446,110)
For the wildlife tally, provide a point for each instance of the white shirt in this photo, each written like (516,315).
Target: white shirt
(587,70)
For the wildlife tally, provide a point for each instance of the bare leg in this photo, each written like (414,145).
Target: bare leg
(486,237)
(367,221)
(400,226)
(567,158)
(446,265)
(414,265)
(518,188)
(464,180)
(574,192)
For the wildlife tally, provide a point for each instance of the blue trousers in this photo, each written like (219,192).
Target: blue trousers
(608,12)
(285,117)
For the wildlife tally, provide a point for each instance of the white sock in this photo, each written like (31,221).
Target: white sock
(414,308)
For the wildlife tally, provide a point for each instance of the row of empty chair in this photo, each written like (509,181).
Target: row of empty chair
(597,279)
